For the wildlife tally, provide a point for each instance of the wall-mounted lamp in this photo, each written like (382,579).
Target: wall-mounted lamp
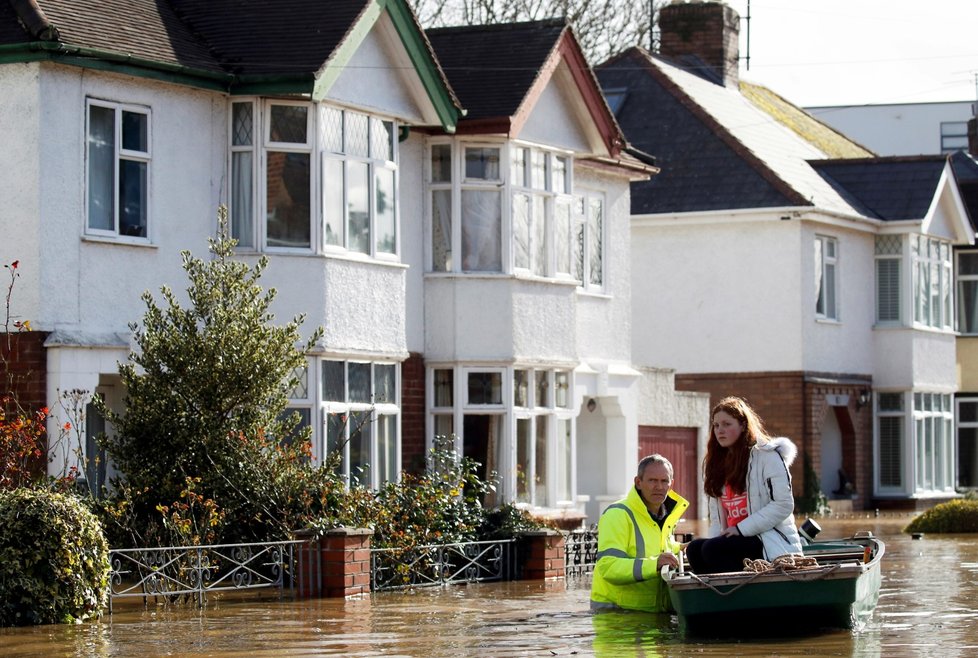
(592,404)
(864,397)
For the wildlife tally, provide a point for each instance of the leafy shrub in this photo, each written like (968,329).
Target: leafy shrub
(54,562)
(953,516)
(506,522)
(205,396)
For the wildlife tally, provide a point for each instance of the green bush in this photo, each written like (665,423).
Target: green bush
(54,560)
(953,516)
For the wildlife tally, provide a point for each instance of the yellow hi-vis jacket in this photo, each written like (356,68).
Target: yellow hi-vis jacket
(629,543)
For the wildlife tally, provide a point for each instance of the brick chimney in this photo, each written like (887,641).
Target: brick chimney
(709,30)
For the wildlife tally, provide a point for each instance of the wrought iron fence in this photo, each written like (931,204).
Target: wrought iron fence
(580,551)
(395,568)
(192,572)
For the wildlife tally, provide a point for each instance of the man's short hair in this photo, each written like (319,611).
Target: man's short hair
(655,459)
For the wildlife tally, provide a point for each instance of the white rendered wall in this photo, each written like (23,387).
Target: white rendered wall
(553,120)
(898,129)
(20,238)
(926,361)
(844,345)
(94,286)
(722,296)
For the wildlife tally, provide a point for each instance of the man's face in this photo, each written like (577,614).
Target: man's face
(654,484)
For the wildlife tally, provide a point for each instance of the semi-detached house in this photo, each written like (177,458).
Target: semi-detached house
(471,270)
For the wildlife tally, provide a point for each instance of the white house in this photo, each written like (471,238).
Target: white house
(472,274)
(774,260)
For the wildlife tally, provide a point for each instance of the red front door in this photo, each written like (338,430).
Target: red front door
(678,445)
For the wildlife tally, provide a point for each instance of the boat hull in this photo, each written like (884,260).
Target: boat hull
(840,593)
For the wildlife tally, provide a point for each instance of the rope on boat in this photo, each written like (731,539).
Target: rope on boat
(787,565)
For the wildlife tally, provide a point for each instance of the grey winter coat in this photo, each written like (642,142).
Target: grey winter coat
(770,503)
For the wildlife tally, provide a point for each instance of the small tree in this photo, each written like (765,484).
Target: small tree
(205,394)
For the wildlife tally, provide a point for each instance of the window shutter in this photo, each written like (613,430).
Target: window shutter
(887,290)
(891,449)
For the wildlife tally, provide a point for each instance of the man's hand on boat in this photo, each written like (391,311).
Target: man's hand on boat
(667,559)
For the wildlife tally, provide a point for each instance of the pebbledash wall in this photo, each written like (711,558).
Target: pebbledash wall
(795,404)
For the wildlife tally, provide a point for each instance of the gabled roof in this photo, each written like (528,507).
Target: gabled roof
(890,189)
(242,46)
(500,71)
(966,172)
(719,149)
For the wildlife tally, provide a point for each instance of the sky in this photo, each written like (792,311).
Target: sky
(856,52)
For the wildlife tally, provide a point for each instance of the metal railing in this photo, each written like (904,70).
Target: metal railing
(173,572)
(580,551)
(421,566)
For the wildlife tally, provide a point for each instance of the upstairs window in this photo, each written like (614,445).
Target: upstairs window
(478,191)
(931,282)
(968,292)
(889,255)
(826,255)
(313,156)
(118,163)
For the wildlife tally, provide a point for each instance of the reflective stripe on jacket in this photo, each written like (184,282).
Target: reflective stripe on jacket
(629,543)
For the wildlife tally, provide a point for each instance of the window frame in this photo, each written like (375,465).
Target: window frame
(883,253)
(320,154)
(444,241)
(119,154)
(959,425)
(924,263)
(960,298)
(933,443)
(902,415)
(828,292)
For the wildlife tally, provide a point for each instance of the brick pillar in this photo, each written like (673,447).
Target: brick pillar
(345,561)
(543,555)
(413,414)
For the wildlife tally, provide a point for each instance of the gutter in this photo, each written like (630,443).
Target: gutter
(39,50)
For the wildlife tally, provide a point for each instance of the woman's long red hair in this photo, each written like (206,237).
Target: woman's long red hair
(729,465)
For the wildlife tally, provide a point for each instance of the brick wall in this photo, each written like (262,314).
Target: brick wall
(413,414)
(23,367)
(795,404)
(708,30)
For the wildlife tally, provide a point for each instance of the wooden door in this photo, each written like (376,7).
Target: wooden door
(678,445)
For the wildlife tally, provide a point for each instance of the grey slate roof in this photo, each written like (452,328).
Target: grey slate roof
(492,67)
(243,37)
(702,168)
(886,188)
(966,172)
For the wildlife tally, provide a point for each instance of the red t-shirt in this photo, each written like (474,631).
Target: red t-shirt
(735,504)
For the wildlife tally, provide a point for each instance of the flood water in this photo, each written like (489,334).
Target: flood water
(928,607)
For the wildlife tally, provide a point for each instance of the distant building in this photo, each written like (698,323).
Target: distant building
(902,128)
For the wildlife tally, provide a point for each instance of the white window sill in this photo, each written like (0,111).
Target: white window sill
(121,241)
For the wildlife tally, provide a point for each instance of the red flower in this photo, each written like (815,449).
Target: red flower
(15,264)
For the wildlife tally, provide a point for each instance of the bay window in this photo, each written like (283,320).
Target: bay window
(967,442)
(360,408)
(968,292)
(328,182)
(516,422)
(934,438)
(931,267)
(889,255)
(486,197)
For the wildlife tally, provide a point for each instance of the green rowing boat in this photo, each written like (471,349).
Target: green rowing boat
(838,589)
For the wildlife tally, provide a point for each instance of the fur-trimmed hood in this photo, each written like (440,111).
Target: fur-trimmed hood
(783,445)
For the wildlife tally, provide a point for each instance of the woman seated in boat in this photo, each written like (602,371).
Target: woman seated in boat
(748,488)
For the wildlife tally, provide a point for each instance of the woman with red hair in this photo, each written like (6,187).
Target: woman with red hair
(748,485)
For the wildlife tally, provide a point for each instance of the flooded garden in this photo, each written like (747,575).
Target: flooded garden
(927,607)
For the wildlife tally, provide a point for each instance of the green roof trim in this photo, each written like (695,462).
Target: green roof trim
(424,63)
(114,62)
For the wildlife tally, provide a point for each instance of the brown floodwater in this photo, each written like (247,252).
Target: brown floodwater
(928,607)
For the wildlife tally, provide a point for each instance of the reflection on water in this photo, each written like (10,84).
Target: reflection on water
(926,607)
